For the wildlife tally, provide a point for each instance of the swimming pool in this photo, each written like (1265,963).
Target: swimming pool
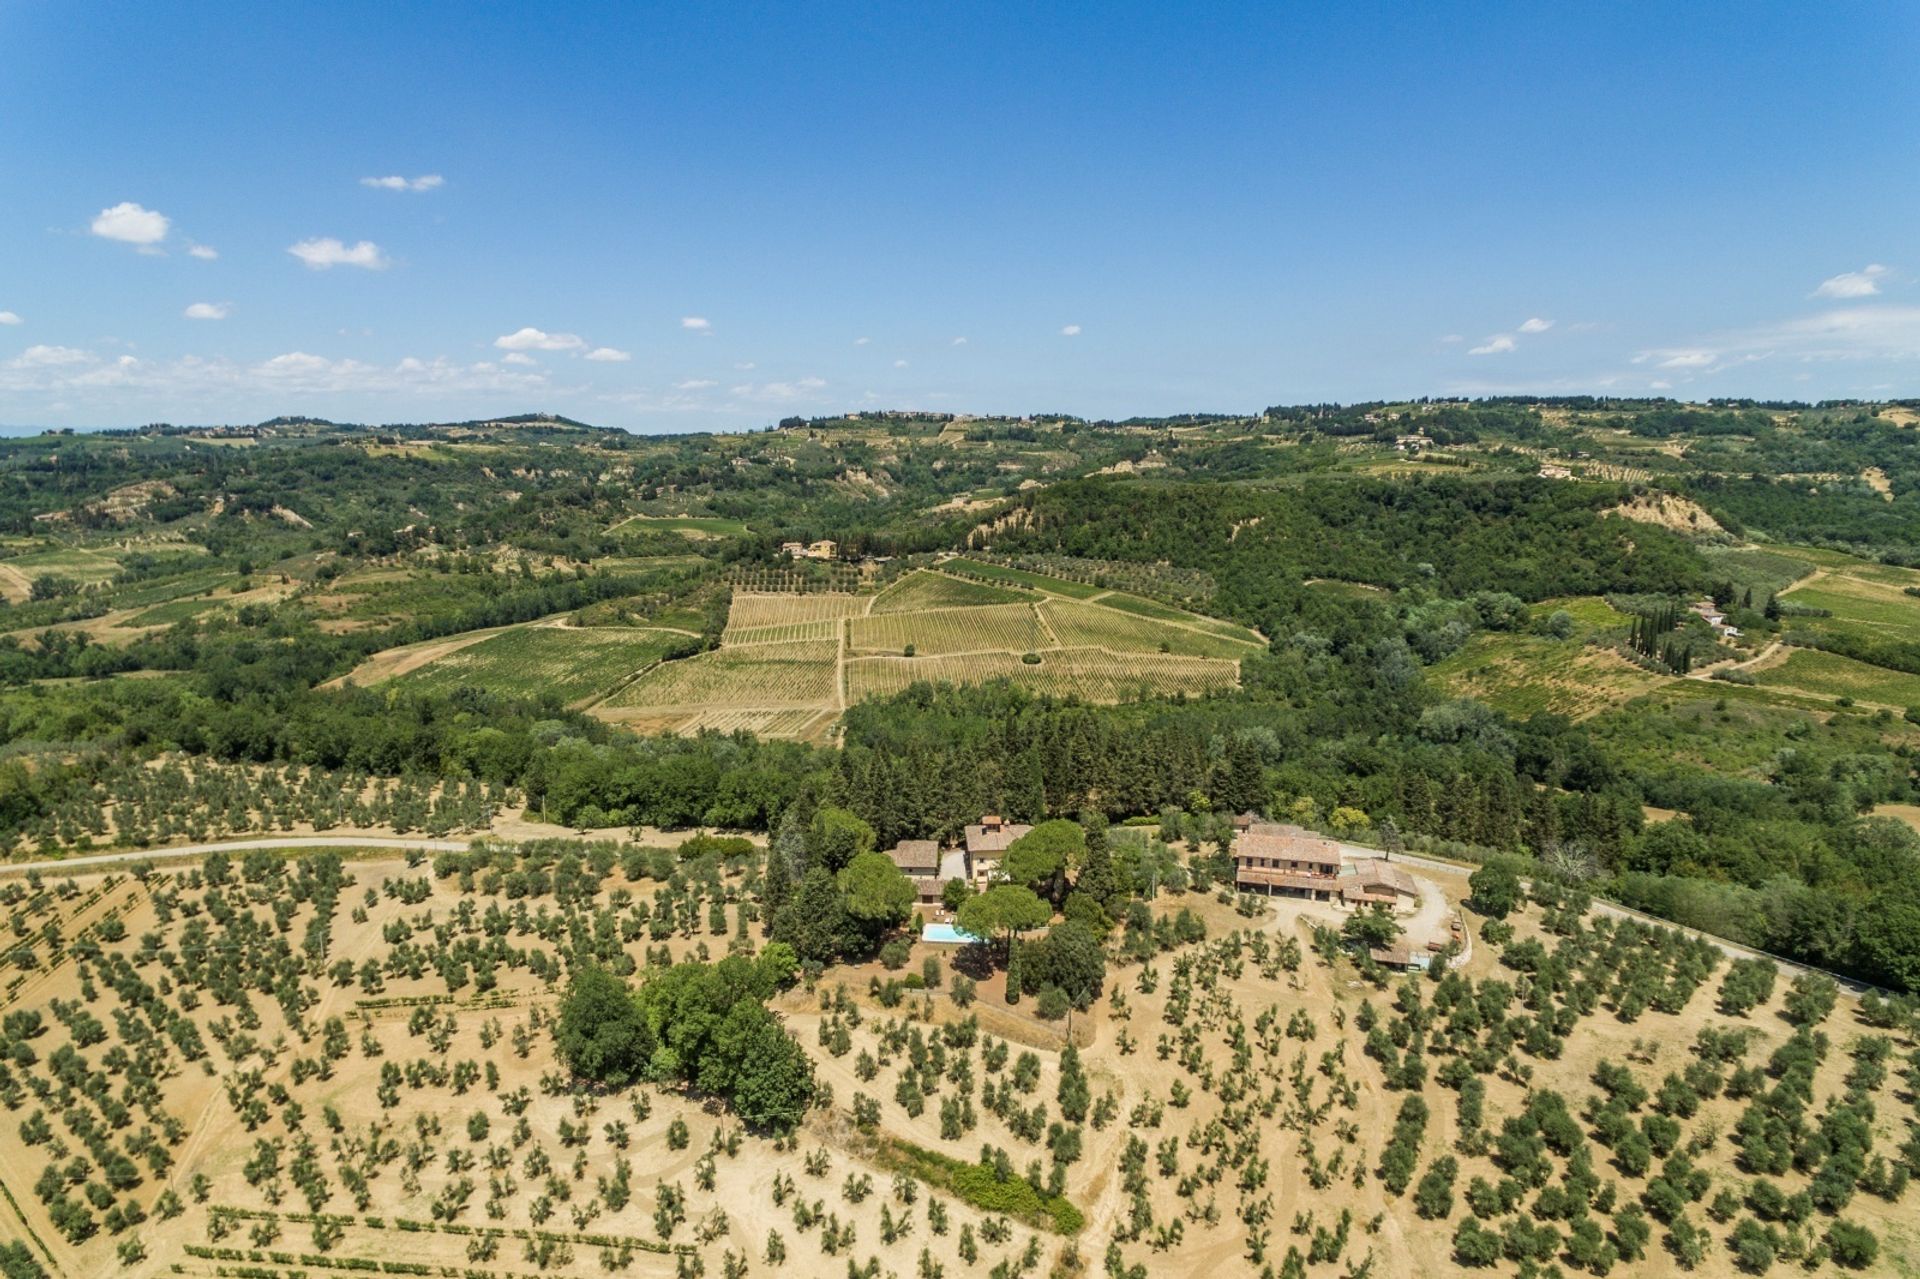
(946,935)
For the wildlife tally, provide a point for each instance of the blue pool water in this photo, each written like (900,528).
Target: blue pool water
(946,934)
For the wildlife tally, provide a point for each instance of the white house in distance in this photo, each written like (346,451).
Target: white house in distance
(1710,613)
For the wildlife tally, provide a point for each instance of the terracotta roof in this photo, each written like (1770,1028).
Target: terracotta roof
(916,856)
(981,840)
(1287,844)
(1380,876)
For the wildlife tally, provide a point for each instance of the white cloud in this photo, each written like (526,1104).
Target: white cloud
(1536,325)
(745,367)
(532,339)
(1693,359)
(62,370)
(861,341)
(425,182)
(695,384)
(320,254)
(899,364)
(208,311)
(778,392)
(1070,331)
(1846,333)
(608,355)
(697,323)
(1852,284)
(8,317)
(205,252)
(1498,344)
(45,356)
(959,341)
(128,223)
(519,357)
(1453,337)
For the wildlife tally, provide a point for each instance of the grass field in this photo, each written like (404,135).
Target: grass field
(72,561)
(573,662)
(172,611)
(924,590)
(1859,606)
(1096,626)
(1837,676)
(1011,627)
(1590,613)
(1090,674)
(758,608)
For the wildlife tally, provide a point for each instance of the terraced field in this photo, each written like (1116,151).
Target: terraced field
(1012,627)
(1096,626)
(1088,673)
(574,662)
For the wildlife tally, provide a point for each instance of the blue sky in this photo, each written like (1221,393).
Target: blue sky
(710,216)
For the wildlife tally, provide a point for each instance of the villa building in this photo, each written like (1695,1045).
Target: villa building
(1274,858)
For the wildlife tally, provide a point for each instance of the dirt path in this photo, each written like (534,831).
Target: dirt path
(1040,615)
(395,662)
(238,845)
(840,633)
(1732,949)
(1757,661)
(14,584)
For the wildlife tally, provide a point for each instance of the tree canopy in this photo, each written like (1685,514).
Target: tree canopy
(1002,911)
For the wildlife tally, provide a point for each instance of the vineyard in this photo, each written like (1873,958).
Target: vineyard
(778,670)
(755,608)
(761,676)
(1095,626)
(570,662)
(1090,674)
(787,633)
(791,722)
(1161,581)
(924,590)
(955,630)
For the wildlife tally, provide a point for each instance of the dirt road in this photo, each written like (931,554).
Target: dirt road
(95,860)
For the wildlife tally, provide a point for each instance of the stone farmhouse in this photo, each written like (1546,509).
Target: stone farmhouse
(919,861)
(1278,859)
(1377,882)
(987,841)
